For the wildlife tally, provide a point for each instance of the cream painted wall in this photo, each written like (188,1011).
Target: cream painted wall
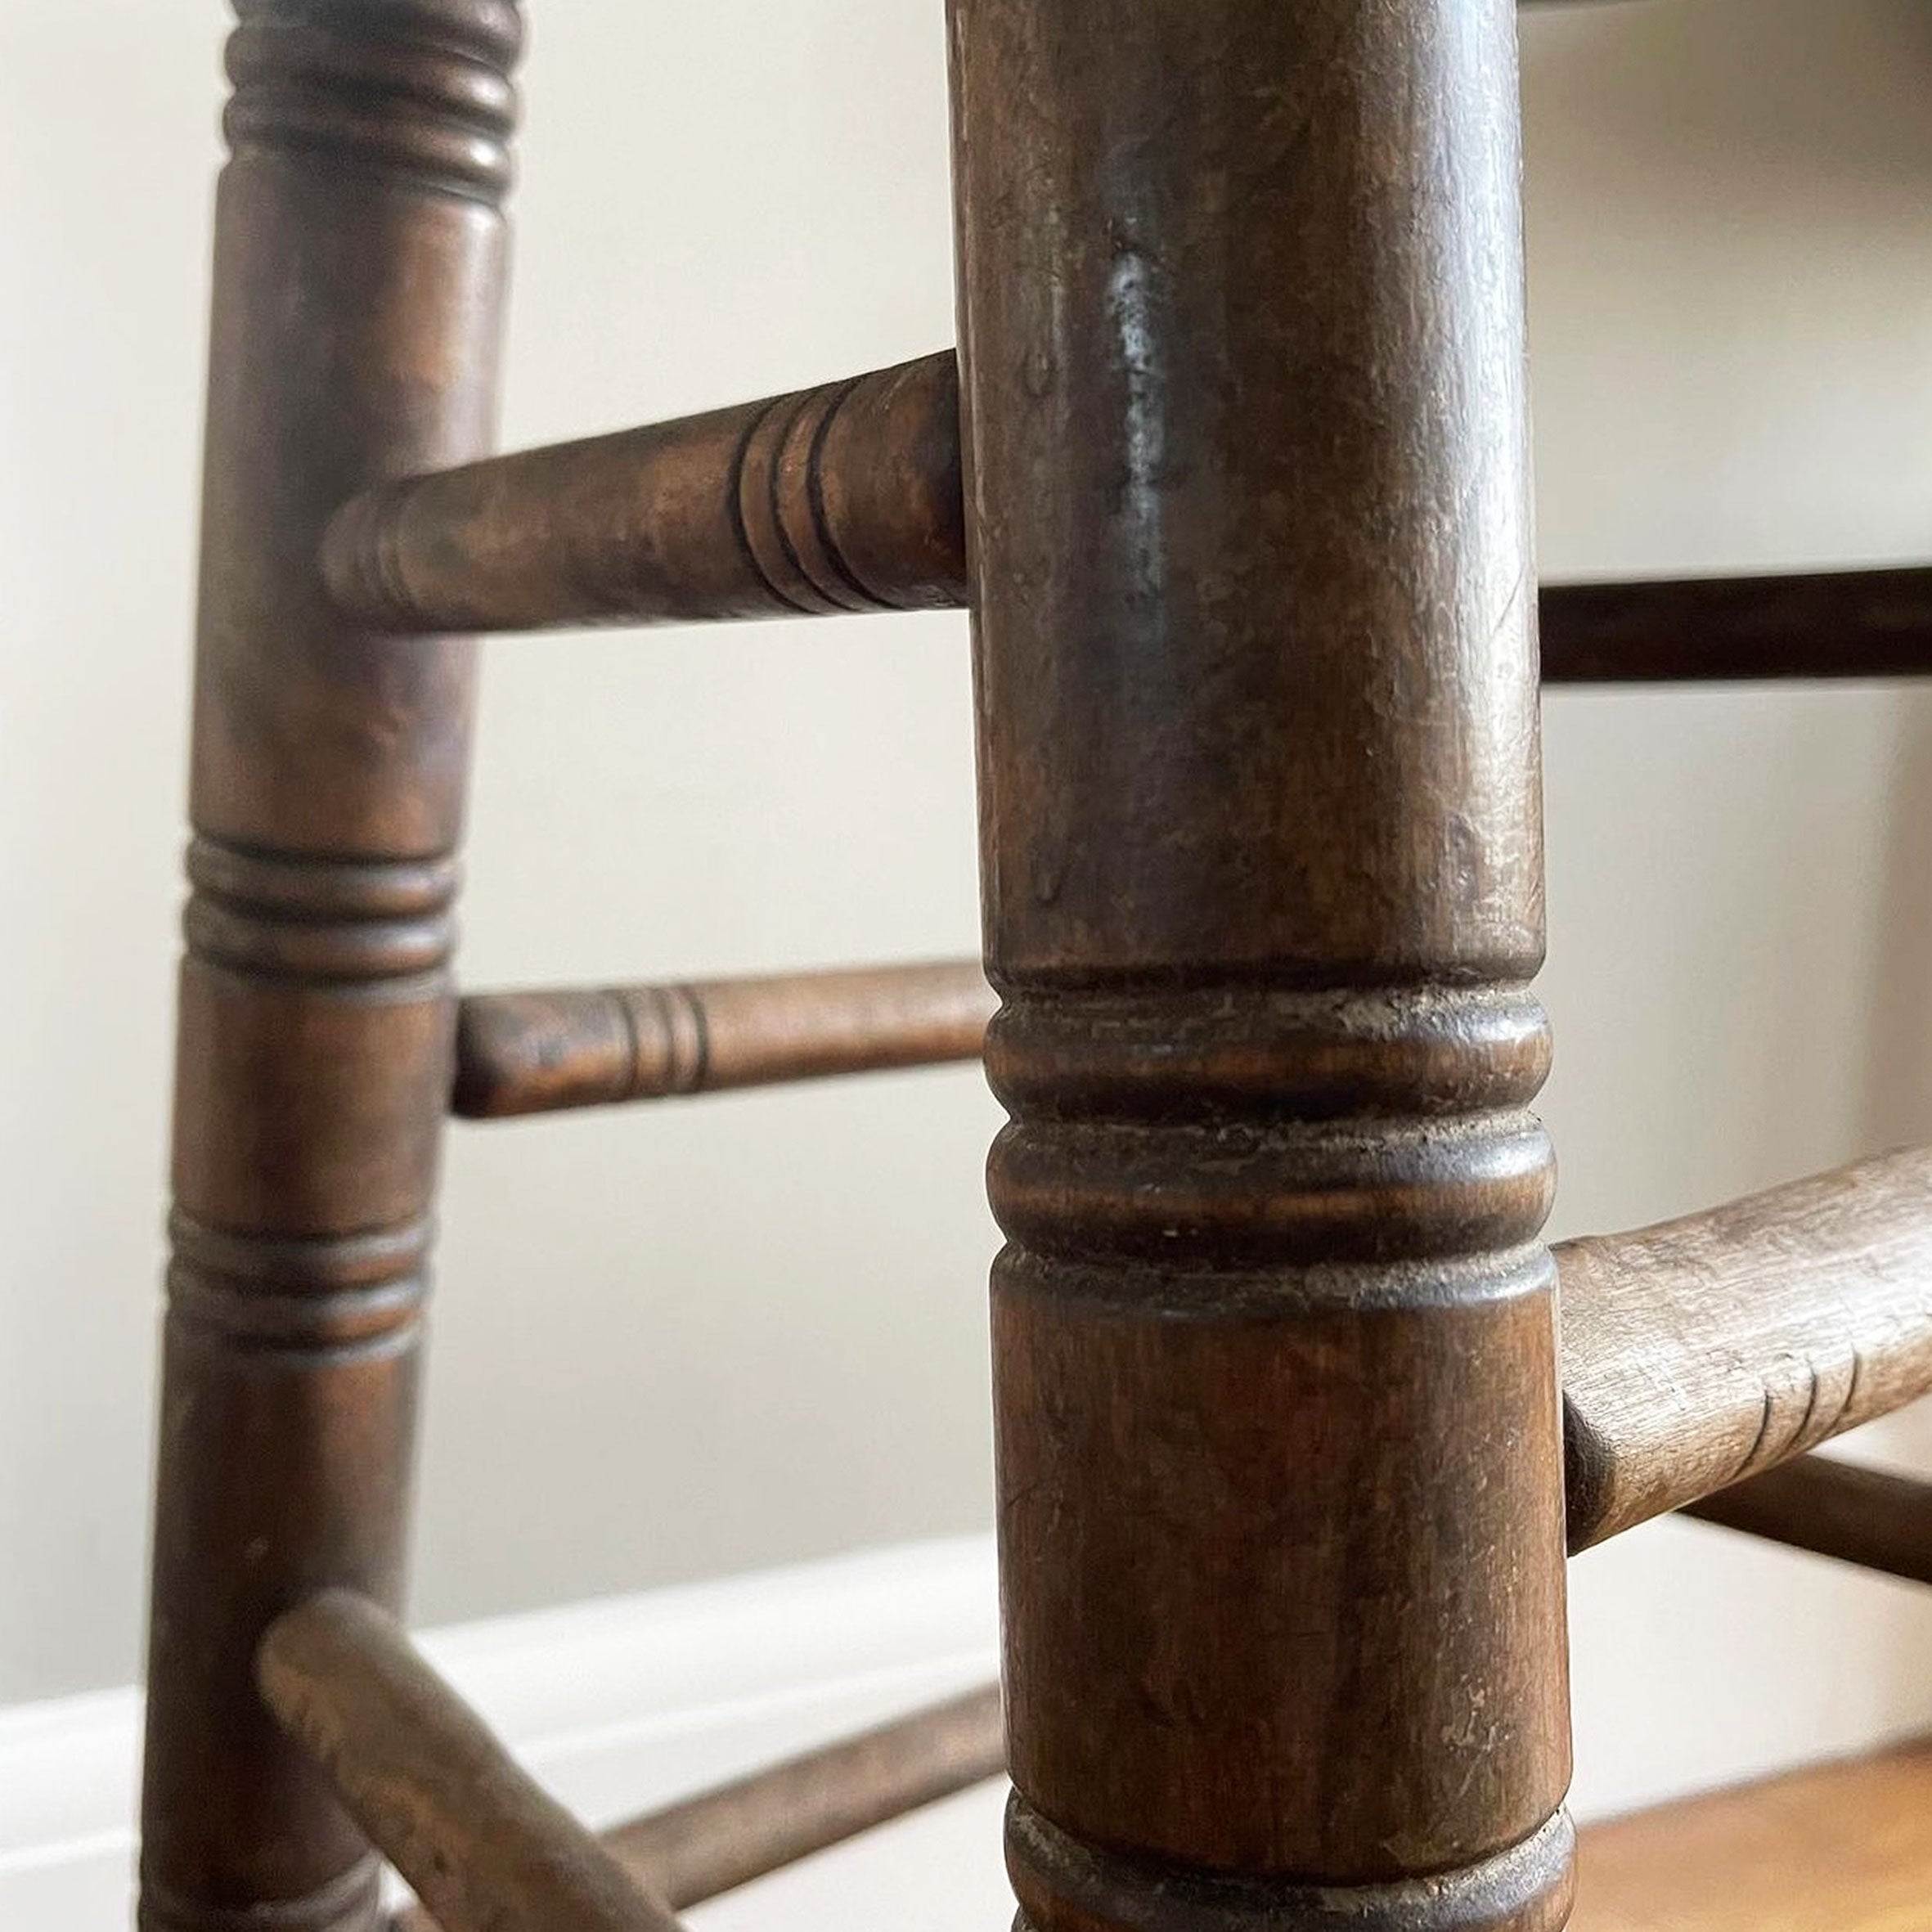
(681,1342)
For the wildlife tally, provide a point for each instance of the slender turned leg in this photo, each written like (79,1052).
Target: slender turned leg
(1280,1507)
(359,260)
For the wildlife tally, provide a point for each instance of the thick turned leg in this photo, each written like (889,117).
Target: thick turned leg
(1280,1488)
(359,260)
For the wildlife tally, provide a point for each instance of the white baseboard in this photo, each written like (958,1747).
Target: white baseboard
(616,1705)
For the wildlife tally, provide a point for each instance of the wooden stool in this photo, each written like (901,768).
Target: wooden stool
(1231,470)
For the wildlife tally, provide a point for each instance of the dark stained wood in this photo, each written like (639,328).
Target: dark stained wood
(726,1837)
(1063,1886)
(1843,1847)
(1704,1350)
(1278,1452)
(1873,1517)
(485,1847)
(359,260)
(844,498)
(1830,624)
(537,1052)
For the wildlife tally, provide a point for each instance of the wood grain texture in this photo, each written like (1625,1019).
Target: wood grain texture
(358,262)
(1872,1517)
(1836,1848)
(841,498)
(537,1052)
(847,497)
(486,1848)
(1278,1460)
(1704,1350)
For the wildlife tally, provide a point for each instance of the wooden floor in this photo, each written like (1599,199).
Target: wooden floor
(1838,1847)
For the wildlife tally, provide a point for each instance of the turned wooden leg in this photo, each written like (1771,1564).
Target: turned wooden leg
(1279,1471)
(359,257)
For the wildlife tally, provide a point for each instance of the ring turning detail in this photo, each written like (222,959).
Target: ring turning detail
(359,260)
(1230,470)
(1261,859)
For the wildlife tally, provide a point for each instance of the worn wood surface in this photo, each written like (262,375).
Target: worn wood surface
(486,1848)
(1279,1457)
(539,1051)
(842,498)
(1704,1350)
(1873,1517)
(358,261)
(1836,1848)
(857,486)
(1274,1361)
